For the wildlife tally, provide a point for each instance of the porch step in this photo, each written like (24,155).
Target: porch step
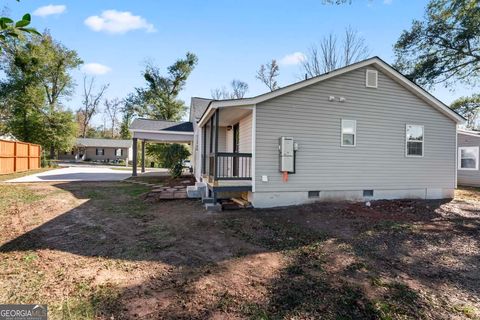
(207,200)
(199,190)
(210,207)
(241,202)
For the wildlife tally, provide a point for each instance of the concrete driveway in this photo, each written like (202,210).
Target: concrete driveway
(77,174)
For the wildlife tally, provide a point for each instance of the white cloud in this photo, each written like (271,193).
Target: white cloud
(95,69)
(292,59)
(49,10)
(387,1)
(113,21)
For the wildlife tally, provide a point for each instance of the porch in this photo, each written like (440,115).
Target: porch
(227,150)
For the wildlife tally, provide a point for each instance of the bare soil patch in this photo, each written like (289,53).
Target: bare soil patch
(99,251)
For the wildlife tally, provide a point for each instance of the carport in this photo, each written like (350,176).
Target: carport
(157,131)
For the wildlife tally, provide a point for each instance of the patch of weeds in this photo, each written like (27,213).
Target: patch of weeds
(272,234)
(468,311)
(15,194)
(254,311)
(399,302)
(91,303)
(30,257)
(393,226)
(356,266)
(294,270)
(376,281)
(94,195)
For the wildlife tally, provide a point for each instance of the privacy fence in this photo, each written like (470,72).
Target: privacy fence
(16,156)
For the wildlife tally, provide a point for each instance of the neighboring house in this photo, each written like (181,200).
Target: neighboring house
(8,137)
(106,150)
(468,158)
(357,133)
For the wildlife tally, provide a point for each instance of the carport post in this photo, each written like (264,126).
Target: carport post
(143,156)
(134,164)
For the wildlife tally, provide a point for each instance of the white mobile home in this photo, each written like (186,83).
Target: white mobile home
(468,157)
(359,132)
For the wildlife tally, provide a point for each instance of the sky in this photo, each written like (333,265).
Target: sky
(232,38)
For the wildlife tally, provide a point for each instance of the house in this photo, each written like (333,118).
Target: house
(360,132)
(468,157)
(104,150)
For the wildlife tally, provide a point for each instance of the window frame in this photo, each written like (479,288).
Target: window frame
(121,152)
(354,134)
(406,141)
(376,78)
(460,158)
(97,151)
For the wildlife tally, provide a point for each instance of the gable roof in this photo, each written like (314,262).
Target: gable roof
(105,143)
(141,124)
(374,61)
(469,132)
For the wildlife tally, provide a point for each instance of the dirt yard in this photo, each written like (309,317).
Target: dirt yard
(99,251)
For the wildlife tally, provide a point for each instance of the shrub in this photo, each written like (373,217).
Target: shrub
(170,156)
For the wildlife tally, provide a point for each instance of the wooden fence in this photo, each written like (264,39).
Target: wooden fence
(16,156)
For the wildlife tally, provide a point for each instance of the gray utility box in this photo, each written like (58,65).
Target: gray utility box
(287,154)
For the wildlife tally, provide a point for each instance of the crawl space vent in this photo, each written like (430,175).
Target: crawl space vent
(313,194)
(372,79)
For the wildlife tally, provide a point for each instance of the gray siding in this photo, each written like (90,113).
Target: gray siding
(468,177)
(245,128)
(377,162)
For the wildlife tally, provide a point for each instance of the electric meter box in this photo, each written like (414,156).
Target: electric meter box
(286,153)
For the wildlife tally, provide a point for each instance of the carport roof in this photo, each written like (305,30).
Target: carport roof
(141,124)
(106,143)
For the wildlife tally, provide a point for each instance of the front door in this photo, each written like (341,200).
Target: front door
(236,148)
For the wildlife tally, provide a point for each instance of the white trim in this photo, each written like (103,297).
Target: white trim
(375,72)
(406,141)
(354,133)
(375,61)
(456,159)
(460,158)
(162,131)
(254,144)
(469,133)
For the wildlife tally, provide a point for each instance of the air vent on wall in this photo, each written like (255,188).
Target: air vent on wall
(372,79)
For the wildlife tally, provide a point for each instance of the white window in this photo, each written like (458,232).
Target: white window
(349,133)
(100,152)
(118,152)
(468,158)
(371,80)
(414,140)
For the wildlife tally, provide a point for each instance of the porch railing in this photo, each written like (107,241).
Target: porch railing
(230,166)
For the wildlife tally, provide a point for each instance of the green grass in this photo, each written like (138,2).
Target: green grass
(87,302)
(5,177)
(16,194)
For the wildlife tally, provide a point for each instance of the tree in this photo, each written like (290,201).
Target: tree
(445,47)
(159,100)
(469,108)
(129,110)
(37,79)
(10,29)
(239,89)
(112,109)
(169,156)
(90,103)
(268,73)
(220,93)
(332,53)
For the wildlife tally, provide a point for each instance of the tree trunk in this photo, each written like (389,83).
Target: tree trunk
(52,152)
